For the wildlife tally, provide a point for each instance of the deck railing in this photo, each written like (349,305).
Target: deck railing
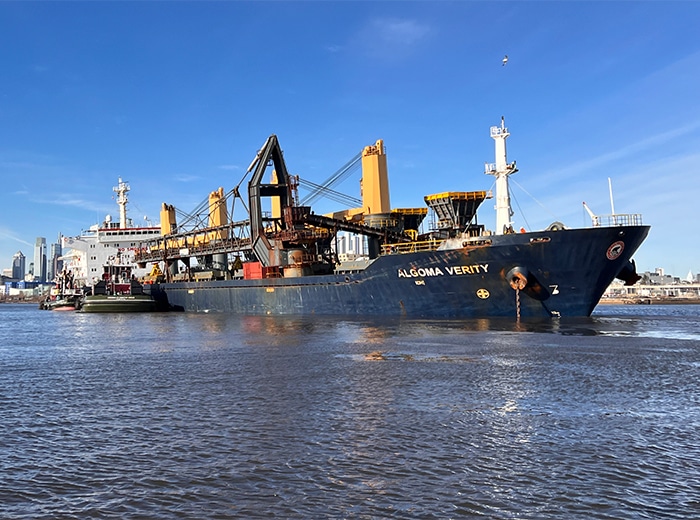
(411,247)
(622,219)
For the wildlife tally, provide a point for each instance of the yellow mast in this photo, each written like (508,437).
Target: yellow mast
(218,213)
(275,201)
(167,219)
(375,180)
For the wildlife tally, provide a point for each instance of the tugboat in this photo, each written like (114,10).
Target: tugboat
(117,291)
(64,296)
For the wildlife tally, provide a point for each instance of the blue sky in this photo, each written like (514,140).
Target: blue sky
(177,97)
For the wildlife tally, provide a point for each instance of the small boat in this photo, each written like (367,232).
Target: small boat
(117,291)
(64,296)
(59,304)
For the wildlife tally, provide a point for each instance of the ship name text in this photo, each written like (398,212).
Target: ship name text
(456,270)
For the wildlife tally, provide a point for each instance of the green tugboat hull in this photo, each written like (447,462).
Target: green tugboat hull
(118,303)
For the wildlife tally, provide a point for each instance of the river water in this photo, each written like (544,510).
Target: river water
(180,415)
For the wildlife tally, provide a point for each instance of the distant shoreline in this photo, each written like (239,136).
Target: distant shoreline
(649,301)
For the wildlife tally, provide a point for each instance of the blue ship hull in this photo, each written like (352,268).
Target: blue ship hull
(564,272)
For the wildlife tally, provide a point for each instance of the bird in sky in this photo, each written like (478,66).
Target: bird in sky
(505,60)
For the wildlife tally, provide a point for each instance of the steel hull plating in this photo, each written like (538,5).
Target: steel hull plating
(567,272)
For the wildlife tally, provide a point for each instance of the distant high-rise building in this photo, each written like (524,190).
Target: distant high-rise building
(54,264)
(18,265)
(349,246)
(40,259)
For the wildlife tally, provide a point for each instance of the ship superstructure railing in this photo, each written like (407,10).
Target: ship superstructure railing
(622,219)
(411,247)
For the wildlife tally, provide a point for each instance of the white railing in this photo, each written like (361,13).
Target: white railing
(497,130)
(622,219)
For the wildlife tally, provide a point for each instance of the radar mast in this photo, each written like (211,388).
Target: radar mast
(501,169)
(121,190)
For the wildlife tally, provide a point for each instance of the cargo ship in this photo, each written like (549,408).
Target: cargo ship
(283,259)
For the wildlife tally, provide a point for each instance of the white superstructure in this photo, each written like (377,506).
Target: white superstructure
(86,254)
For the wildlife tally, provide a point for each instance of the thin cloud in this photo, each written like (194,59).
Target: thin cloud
(18,165)
(390,38)
(66,200)
(401,32)
(186,178)
(78,203)
(629,150)
(9,234)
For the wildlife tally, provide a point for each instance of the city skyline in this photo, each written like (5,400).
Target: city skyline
(593,93)
(46,260)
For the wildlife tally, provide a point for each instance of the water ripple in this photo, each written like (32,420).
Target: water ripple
(214,416)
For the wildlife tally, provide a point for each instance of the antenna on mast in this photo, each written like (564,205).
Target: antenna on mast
(612,204)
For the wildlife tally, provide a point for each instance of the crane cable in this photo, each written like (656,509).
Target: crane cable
(340,175)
